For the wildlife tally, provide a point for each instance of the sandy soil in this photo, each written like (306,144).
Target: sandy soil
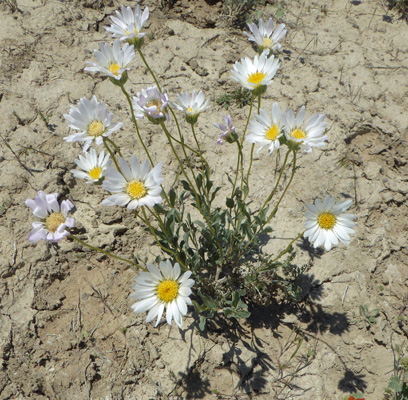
(67,330)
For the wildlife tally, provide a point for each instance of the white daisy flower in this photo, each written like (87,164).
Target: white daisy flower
(192,105)
(255,75)
(136,187)
(307,134)
(265,37)
(53,217)
(93,121)
(128,25)
(112,62)
(163,288)
(152,104)
(227,131)
(326,225)
(95,167)
(266,131)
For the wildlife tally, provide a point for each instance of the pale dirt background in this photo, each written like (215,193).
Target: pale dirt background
(67,329)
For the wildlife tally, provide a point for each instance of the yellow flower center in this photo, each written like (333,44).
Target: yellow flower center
(272,133)
(256,78)
(127,32)
(267,42)
(53,221)
(190,110)
(298,134)
(95,128)
(114,69)
(326,220)
(154,103)
(95,173)
(167,291)
(136,190)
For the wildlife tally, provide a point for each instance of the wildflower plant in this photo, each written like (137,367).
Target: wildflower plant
(211,254)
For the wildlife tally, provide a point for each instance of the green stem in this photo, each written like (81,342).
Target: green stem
(286,189)
(135,124)
(153,232)
(106,252)
(150,70)
(236,175)
(277,182)
(277,205)
(249,169)
(111,154)
(181,141)
(204,167)
(114,145)
(181,164)
(240,155)
(139,136)
(252,153)
(203,160)
(288,247)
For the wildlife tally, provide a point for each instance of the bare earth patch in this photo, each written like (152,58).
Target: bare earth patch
(67,329)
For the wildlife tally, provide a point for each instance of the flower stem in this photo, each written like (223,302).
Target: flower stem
(240,154)
(249,169)
(153,232)
(107,253)
(114,145)
(138,134)
(150,70)
(277,182)
(135,124)
(111,154)
(181,164)
(288,247)
(284,192)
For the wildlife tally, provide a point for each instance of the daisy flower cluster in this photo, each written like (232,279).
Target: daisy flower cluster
(138,185)
(283,127)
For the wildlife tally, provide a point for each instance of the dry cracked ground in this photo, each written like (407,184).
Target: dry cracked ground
(67,329)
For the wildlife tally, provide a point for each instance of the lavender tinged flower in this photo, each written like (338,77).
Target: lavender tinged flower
(152,104)
(227,131)
(53,217)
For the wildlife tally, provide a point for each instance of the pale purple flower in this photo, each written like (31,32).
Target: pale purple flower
(227,130)
(53,217)
(152,104)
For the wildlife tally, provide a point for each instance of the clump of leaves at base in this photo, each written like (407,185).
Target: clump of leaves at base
(237,11)
(401,6)
(241,97)
(224,251)
(398,387)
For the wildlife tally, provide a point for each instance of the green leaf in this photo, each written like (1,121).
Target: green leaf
(208,301)
(395,384)
(235,299)
(243,314)
(160,209)
(172,197)
(280,13)
(229,202)
(202,323)
(186,186)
